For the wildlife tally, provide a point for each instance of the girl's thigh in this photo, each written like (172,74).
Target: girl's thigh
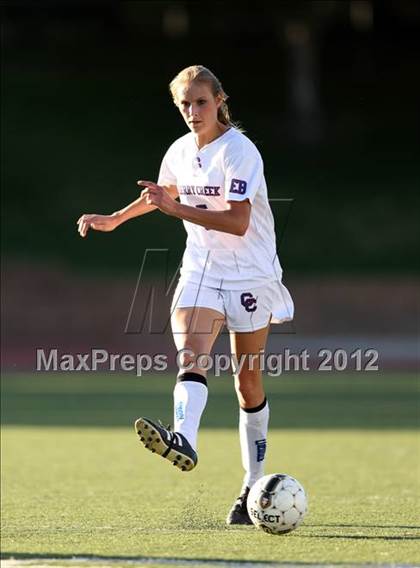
(196,328)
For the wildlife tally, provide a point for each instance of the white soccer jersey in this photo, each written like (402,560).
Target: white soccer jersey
(229,168)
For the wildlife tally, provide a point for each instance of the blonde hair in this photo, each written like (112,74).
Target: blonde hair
(201,74)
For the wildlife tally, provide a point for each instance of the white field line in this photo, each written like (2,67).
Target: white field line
(105,562)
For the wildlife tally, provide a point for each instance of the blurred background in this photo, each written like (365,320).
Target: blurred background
(329,92)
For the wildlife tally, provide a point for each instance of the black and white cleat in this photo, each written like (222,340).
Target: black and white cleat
(238,515)
(170,445)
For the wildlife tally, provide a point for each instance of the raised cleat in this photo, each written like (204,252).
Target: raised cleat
(238,515)
(170,445)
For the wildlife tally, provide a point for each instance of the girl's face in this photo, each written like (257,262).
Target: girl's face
(198,107)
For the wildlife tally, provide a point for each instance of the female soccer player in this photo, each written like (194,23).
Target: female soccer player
(230,272)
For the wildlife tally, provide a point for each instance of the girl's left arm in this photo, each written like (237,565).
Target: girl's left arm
(234,220)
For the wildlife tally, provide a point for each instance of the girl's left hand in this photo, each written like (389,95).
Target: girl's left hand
(158,196)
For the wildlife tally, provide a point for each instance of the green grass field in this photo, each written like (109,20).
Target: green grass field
(77,484)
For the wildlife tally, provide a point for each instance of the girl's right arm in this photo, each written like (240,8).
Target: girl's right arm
(110,222)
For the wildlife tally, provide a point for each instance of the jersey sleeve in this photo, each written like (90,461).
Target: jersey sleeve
(166,173)
(244,172)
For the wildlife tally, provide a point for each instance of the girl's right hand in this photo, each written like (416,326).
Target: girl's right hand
(96,222)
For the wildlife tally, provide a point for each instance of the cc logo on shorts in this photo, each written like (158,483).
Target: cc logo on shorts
(249,302)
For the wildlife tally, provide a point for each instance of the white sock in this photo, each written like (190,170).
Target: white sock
(190,399)
(253,428)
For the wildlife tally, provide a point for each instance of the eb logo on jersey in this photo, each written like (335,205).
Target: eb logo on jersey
(238,186)
(249,302)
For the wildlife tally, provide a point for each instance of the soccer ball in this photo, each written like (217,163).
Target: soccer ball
(277,503)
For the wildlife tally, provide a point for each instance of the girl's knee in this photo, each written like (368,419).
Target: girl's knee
(249,388)
(186,357)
